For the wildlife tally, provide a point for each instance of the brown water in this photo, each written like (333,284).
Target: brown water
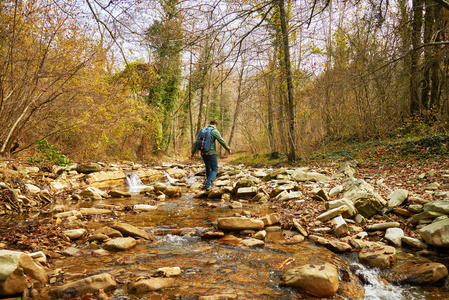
(208,266)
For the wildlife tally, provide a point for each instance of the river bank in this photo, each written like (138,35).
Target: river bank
(286,210)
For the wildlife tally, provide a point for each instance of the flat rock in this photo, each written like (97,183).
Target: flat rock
(94,211)
(351,212)
(300,228)
(424,216)
(144,207)
(377,255)
(246,192)
(239,223)
(119,194)
(218,297)
(414,243)
(417,273)
(213,234)
(302,176)
(333,245)
(149,285)
(382,226)
(120,244)
(169,271)
(91,284)
(74,234)
(440,206)
(330,214)
(129,230)
(252,242)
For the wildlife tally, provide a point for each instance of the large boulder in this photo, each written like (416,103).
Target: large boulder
(317,280)
(436,234)
(368,204)
(80,287)
(16,268)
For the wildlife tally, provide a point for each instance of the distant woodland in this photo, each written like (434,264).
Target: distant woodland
(133,79)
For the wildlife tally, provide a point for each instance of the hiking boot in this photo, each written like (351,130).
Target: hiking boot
(208,188)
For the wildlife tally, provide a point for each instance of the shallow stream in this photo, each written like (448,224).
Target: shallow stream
(209,267)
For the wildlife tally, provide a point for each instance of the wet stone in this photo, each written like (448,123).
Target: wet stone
(74,234)
(129,230)
(120,244)
(91,284)
(377,255)
(213,234)
(252,242)
(417,273)
(118,194)
(271,219)
(169,271)
(414,243)
(239,223)
(317,280)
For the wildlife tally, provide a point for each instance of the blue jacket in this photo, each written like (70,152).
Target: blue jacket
(214,136)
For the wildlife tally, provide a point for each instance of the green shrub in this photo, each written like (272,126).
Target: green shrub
(50,153)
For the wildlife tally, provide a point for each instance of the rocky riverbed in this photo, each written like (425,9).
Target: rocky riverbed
(311,224)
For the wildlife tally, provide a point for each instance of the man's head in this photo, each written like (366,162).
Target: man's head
(214,123)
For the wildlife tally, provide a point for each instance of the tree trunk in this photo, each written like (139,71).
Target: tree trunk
(237,106)
(288,71)
(415,105)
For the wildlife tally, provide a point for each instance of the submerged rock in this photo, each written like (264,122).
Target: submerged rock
(417,273)
(91,284)
(149,285)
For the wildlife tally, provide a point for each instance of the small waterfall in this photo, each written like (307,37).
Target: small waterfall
(378,289)
(133,181)
(171,180)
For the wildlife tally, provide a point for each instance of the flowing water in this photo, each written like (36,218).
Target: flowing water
(216,266)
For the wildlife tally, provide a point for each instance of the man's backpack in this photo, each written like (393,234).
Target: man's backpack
(203,139)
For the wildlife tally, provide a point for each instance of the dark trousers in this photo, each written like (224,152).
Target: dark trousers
(211,163)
